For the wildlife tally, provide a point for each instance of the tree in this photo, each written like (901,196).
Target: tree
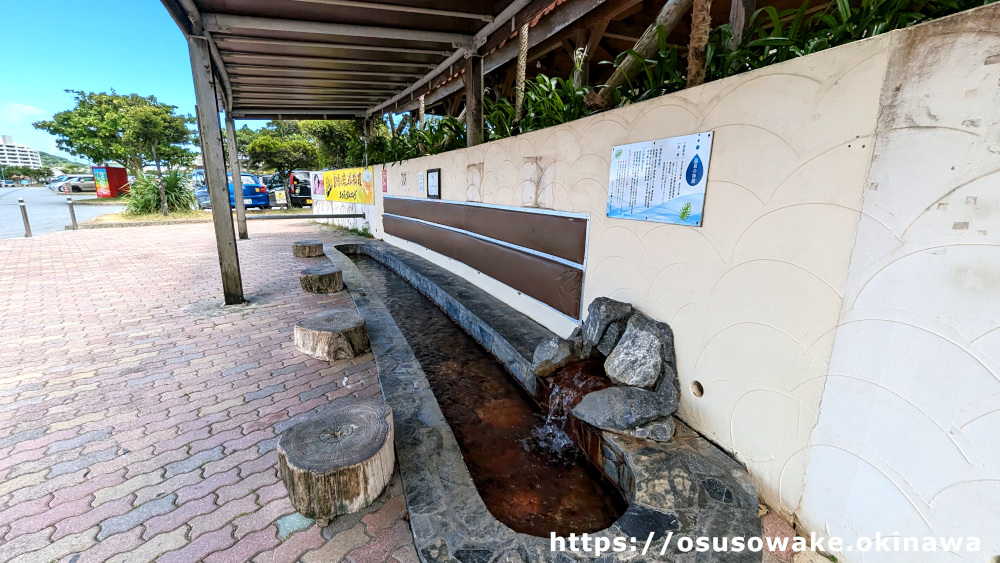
(282,155)
(156,130)
(128,129)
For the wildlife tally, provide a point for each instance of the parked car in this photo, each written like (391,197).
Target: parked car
(78,183)
(8,183)
(299,192)
(54,183)
(254,193)
(266,179)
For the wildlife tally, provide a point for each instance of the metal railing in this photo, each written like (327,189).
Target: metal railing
(305,216)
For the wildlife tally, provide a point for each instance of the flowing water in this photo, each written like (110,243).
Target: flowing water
(526,467)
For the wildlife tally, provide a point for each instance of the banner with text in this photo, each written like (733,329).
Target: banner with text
(661,181)
(351,185)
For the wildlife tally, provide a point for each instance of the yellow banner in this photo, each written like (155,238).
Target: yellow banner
(351,185)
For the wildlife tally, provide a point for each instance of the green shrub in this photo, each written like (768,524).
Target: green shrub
(144,196)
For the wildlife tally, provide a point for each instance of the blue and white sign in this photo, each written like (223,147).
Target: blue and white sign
(661,181)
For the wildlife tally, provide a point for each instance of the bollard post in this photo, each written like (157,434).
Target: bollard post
(24,215)
(72,212)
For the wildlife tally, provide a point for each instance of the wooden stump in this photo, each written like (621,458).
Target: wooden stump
(322,279)
(335,334)
(338,462)
(307,249)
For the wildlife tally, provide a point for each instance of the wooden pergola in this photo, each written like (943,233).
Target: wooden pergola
(354,59)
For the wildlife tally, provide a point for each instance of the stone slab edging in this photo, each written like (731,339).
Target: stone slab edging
(687,486)
(509,335)
(135,224)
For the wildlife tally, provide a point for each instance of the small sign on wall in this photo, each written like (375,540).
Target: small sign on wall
(420,182)
(434,183)
(316,183)
(404,185)
(385,181)
(661,181)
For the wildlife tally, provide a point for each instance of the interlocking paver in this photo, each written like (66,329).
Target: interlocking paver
(24,544)
(128,487)
(263,516)
(203,546)
(61,548)
(151,410)
(83,461)
(165,487)
(383,545)
(80,523)
(31,524)
(136,516)
(247,485)
(247,547)
(111,546)
(292,548)
(152,549)
(193,462)
(180,515)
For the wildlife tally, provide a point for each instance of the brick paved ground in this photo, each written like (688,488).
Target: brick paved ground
(138,418)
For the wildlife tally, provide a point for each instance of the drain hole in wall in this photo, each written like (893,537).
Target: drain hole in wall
(698,391)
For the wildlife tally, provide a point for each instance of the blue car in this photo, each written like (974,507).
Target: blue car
(254,193)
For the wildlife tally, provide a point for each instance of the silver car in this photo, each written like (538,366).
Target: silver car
(79,183)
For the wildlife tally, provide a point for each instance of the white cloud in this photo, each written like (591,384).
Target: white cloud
(15,114)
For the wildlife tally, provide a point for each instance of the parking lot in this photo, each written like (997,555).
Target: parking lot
(47,211)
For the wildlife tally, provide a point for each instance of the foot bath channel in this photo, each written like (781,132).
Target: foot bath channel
(492,458)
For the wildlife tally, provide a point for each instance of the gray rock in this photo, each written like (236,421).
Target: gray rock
(610,338)
(622,408)
(552,354)
(658,430)
(640,356)
(601,314)
(669,389)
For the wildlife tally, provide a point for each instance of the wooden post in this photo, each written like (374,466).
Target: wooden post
(670,15)
(215,169)
(474,100)
(234,169)
(740,13)
(701,26)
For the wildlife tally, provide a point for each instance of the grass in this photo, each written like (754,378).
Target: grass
(275,211)
(362,232)
(192,216)
(186,216)
(100,201)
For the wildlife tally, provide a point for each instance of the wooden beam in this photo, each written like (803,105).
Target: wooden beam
(234,169)
(624,30)
(474,123)
(215,169)
(595,36)
(701,26)
(740,12)
(670,15)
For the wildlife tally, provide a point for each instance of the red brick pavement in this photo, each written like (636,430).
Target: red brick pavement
(138,417)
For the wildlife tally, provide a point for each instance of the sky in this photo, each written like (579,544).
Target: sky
(50,46)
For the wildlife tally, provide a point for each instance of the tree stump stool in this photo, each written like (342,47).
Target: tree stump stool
(338,462)
(322,279)
(307,249)
(335,334)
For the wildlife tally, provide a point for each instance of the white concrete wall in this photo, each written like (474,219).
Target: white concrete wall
(323,207)
(908,439)
(754,295)
(823,272)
